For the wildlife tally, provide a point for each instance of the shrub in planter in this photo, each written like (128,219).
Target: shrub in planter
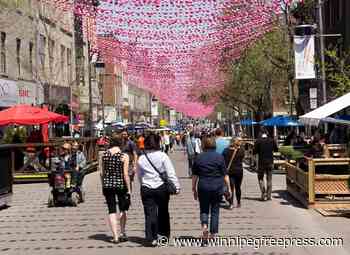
(290,153)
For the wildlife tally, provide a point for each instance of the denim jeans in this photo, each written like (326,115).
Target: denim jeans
(235,183)
(209,202)
(191,159)
(265,170)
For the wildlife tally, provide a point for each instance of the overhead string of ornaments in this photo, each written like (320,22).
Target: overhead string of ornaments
(174,48)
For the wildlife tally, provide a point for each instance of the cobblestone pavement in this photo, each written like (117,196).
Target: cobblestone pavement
(29,227)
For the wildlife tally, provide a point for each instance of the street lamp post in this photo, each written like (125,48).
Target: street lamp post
(100,67)
(90,90)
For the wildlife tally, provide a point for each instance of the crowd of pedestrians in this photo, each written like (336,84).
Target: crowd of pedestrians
(215,165)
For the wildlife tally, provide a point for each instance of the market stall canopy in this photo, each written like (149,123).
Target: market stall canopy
(29,115)
(314,117)
(281,121)
(248,122)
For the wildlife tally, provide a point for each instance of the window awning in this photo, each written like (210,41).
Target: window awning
(314,117)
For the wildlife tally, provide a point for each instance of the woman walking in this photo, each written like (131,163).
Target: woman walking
(115,182)
(234,156)
(208,179)
(154,194)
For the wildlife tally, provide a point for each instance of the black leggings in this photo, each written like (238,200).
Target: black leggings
(110,196)
(235,183)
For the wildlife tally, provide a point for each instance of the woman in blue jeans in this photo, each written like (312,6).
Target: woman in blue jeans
(208,180)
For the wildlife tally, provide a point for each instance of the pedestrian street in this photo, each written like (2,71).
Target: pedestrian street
(30,227)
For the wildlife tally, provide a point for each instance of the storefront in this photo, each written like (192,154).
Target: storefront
(59,100)
(57,95)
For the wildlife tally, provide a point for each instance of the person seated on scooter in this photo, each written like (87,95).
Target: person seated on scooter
(66,157)
(31,161)
(79,161)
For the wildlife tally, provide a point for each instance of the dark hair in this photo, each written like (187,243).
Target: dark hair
(152,142)
(209,143)
(219,132)
(116,140)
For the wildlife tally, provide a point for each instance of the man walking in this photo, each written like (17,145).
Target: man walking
(221,142)
(130,148)
(191,153)
(264,147)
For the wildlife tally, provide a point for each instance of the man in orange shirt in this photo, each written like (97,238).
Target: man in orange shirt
(141,142)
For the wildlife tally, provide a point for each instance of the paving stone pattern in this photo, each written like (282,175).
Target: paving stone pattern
(30,227)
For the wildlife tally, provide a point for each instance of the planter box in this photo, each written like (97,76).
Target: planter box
(319,190)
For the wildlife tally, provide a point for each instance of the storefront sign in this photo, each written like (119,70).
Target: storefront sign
(29,93)
(8,93)
(20,92)
(56,95)
(313,98)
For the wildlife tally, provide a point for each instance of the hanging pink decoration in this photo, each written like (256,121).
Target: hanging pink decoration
(174,48)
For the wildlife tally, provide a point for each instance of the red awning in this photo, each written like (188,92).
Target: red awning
(29,115)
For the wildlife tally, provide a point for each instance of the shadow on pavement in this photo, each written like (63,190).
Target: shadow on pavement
(137,239)
(187,237)
(101,237)
(106,238)
(252,198)
(4,207)
(287,199)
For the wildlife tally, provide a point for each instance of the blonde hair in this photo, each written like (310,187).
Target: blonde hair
(235,142)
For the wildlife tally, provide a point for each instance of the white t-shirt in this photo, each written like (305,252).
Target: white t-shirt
(166,139)
(148,176)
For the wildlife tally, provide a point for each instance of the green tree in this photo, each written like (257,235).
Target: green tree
(260,73)
(338,72)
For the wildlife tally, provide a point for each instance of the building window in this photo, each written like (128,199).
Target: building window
(18,56)
(3,52)
(69,66)
(63,53)
(31,46)
(51,55)
(42,45)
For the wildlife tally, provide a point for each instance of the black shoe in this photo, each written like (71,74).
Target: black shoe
(153,243)
(123,237)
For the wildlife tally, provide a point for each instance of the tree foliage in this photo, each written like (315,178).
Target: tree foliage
(338,71)
(262,71)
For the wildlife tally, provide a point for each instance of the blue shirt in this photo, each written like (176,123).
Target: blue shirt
(211,169)
(221,144)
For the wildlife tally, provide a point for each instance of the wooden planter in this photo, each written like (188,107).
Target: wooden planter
(315,190)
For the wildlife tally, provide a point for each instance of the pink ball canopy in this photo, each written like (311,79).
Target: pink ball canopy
(174,48)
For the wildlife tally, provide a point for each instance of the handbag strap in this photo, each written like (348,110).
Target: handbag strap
(160,175)
(232,158)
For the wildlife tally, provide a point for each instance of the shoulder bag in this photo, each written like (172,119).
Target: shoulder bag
(170,186)
(231,160)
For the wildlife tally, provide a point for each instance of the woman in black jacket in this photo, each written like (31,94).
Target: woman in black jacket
(234,156)
(208,180)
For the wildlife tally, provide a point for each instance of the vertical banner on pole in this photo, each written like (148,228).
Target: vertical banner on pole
(304,50)
(154,108)
(172,117)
